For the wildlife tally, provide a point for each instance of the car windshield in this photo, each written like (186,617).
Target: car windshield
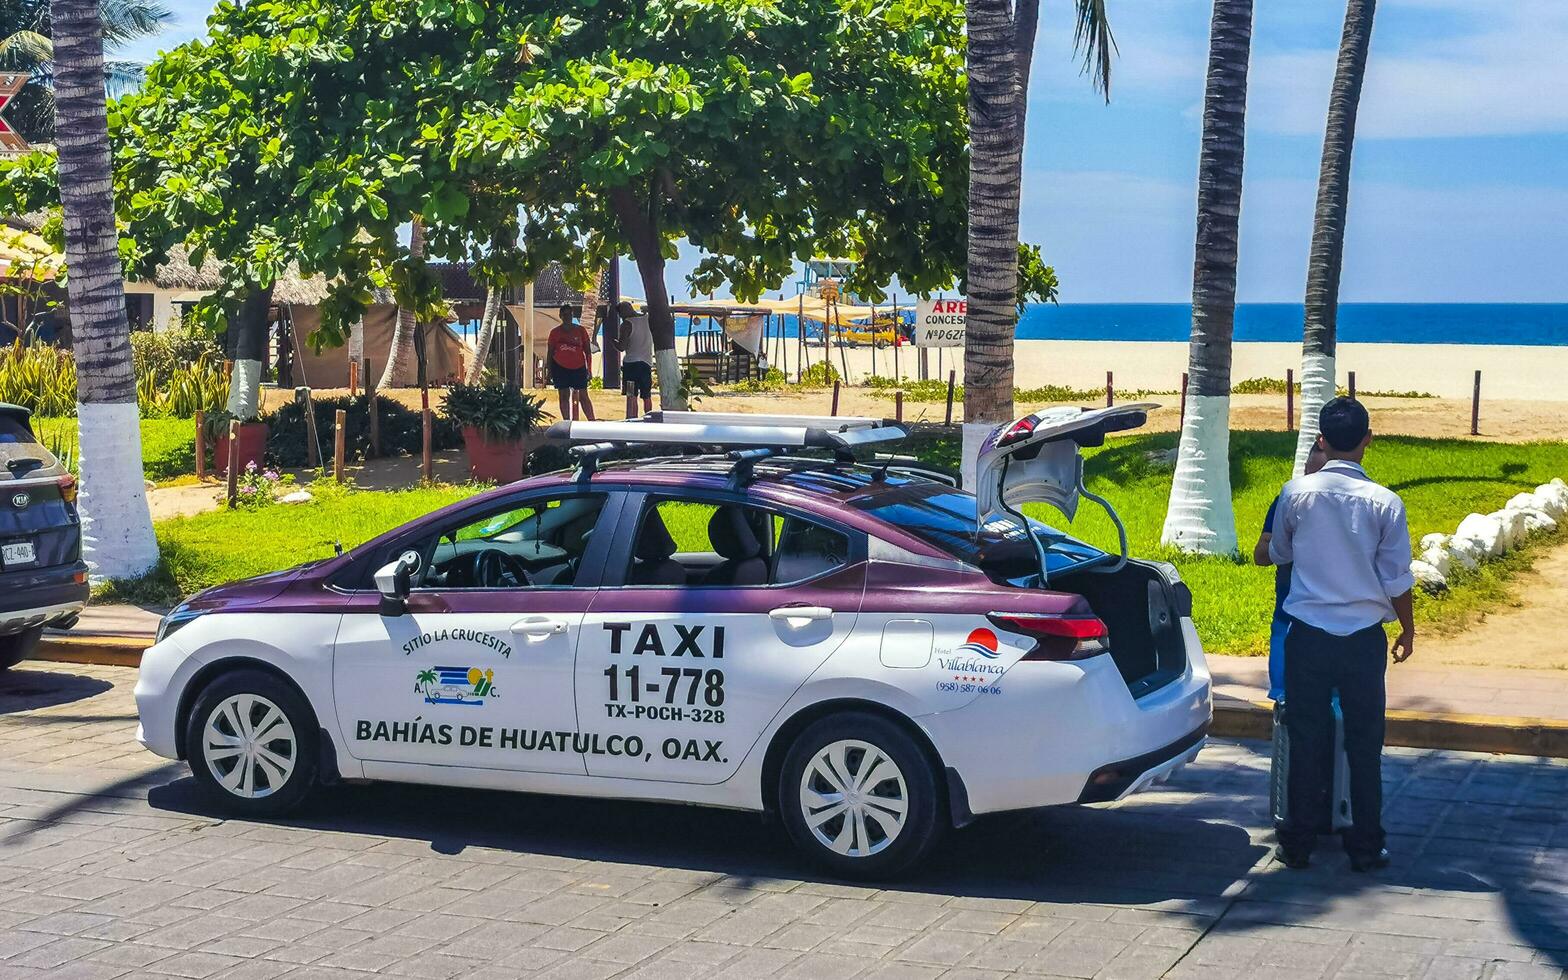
(945,517)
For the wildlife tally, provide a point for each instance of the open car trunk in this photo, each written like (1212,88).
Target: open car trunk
(1142,606)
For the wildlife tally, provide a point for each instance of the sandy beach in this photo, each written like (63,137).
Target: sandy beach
(1445,370)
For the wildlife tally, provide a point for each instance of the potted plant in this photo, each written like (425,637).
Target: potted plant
(252,441)
(498,426)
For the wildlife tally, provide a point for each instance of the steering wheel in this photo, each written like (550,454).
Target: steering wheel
(488,568)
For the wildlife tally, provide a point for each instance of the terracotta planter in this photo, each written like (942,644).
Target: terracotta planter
(252,447)
(497,461)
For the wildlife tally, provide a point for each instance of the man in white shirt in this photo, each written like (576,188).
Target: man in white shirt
(636,346)
(1349,545)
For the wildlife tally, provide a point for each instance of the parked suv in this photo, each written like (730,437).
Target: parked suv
(43,580)
(861,648)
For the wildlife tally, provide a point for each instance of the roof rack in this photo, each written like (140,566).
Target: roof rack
(736,430)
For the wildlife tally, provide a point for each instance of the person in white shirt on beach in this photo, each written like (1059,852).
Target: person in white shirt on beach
(1349,545)
(635,343)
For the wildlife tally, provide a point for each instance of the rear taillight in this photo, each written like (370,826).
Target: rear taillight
(67,488)
(1021,429)
(1057,637)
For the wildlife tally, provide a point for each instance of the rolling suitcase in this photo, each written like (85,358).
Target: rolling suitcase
(1279,772)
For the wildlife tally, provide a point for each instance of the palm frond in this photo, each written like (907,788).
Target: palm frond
(127,20)
(1092,39)
(25,50)
(120,77)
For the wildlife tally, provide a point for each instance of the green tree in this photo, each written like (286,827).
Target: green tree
(26,45)
(1321,322)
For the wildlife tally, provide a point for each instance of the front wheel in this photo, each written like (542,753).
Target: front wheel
(18,646)
(251,741)
(860,797)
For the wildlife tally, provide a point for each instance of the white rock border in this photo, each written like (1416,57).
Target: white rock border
(1484,537)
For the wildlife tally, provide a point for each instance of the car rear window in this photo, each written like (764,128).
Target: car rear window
(945,518)
(14,430)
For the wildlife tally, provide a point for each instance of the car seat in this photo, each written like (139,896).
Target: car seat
(736,541)
(654,564)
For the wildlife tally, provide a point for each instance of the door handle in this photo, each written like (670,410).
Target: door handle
(539,626)
(808,613)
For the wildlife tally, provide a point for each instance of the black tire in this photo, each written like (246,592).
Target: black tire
(924,801)
(17,647)
(300,777)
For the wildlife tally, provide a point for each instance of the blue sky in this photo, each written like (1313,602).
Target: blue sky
(1460,189)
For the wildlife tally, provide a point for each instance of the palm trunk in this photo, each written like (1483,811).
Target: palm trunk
(1200,517)
(637,221)
(117,535)
(1321,327)
(487,324)
(247,349)
(401,357)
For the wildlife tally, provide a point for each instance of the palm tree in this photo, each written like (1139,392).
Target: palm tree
(117,537)
(1328,224)
(25,46)
(1001,48)
(1200,516)
(486,338)
(402,361)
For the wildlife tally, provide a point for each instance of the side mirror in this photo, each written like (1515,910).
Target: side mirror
(393,581)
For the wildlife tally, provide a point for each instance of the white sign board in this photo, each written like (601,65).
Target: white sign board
(940,322)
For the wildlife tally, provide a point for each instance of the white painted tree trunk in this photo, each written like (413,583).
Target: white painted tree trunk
(245,390)
(1317,388)
(1200,517)
(117,537)
(670,380)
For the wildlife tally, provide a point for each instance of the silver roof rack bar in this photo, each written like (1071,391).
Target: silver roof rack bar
(734,430)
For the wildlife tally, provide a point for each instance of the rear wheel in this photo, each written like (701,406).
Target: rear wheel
(16,647)
(251,741)
(860,797)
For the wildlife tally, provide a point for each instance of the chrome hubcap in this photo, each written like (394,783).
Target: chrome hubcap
(249,746)
(853,797)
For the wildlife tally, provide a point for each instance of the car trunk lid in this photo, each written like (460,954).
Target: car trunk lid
(1038,458)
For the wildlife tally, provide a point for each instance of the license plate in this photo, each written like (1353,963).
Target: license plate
(17,553)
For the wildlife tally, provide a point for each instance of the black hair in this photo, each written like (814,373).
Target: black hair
(1344,423)
(568,312)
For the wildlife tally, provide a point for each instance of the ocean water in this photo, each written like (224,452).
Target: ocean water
(1532,324)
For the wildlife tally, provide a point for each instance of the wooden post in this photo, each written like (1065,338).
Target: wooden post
(1475,407)
(1110,390)
(1184,398)
(312,446)
(429,460)
(898,406)
(353,377)
(1290,400)
(952,379)
(234,461)
(375,423)
(339,443)
(834,409)
(1352,384)
(201,445)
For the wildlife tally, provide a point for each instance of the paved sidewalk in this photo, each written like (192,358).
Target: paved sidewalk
(1504,692)
(111,867)
(115,620)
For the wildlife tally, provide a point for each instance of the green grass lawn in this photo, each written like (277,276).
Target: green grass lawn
(1441,481)
(168,445)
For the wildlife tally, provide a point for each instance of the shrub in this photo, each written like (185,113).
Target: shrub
(185,390)
(159,354)
(496,409)
(38,376)
(401,430)
(819,375)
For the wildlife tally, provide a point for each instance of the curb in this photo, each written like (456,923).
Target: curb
(1233,718)
(107,651)
(1419,730)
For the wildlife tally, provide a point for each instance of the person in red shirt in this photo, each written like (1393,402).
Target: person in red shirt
(569,354)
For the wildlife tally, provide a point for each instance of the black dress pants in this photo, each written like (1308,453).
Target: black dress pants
(1316,664)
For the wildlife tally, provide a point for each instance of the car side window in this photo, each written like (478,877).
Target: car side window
(700,543)
(516,546)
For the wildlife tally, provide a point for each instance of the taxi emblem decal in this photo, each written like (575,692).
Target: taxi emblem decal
(456,685)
